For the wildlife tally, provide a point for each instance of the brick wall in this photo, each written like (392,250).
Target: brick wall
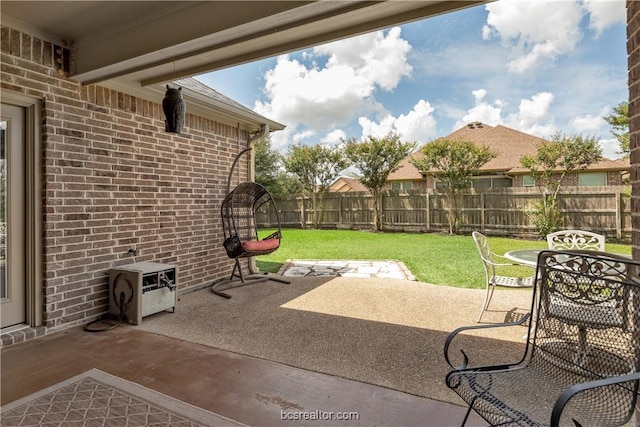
(114,180)
(633,52)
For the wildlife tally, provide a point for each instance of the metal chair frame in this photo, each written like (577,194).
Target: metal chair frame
(565,240)
(490,264)
(581,361)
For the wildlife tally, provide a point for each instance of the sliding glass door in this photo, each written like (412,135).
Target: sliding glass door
(12,216)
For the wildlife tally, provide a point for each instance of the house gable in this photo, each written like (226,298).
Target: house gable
(344,184)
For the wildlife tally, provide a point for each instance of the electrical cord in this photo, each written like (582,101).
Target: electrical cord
(122,305)
(90,327)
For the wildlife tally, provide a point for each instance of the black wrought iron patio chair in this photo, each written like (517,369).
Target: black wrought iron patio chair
(581,360)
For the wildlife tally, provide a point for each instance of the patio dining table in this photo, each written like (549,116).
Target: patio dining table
(527,257)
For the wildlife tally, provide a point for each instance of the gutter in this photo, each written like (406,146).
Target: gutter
(264,131)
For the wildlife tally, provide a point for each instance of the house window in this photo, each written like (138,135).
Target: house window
(592,179)
(501,182)
(402,185)
(492,182)
(481,183)
(528,181)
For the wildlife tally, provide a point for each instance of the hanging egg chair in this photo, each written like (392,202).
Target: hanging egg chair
(243,211)
(239,212)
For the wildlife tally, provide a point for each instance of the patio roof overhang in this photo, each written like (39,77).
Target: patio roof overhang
(150,42)
(139,46)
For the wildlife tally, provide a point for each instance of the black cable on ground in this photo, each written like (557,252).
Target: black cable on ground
(107,324)
(114,323)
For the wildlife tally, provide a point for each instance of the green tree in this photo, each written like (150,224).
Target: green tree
(454,162)
(554,159)
(619,121)
(270,172)
(267,164)
(316,167)
(375,158)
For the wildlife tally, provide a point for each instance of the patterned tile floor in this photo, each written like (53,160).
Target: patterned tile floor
(346,268)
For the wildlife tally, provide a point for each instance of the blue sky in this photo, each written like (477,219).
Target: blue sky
(536,66)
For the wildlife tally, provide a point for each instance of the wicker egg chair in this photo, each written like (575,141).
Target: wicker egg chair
(241,212)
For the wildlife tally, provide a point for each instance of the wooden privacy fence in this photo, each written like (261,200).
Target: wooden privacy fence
(604,210)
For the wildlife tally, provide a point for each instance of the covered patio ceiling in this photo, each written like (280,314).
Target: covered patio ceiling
(142,43)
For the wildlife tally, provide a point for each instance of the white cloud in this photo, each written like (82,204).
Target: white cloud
(533,115)
(592,123)
(417,125)
(301,136)
(482,111)
(376,129)
(603,14)
(589,122)
(534,30)
(334,137)
(324,98)
(376,58)
(611,148)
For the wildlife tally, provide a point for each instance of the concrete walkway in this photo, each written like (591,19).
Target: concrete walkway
(345,268)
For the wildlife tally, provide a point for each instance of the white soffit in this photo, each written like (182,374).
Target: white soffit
(157,41)
(302,33)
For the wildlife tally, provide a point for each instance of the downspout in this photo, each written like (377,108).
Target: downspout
(264,131)
(250,164)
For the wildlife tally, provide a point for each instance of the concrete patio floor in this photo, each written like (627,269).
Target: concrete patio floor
(246,389)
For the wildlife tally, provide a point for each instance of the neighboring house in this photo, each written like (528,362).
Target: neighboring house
(344,184)
(505,169)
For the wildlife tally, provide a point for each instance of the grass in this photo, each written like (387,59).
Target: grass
(432,258)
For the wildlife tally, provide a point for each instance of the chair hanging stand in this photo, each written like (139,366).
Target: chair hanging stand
(239,212)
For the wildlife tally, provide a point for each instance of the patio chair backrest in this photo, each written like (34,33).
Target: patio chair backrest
(482,244)
(587,325)
(565,240)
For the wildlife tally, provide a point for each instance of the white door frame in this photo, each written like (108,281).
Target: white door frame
(33,202)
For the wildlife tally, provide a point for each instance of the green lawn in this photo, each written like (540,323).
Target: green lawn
(433,258)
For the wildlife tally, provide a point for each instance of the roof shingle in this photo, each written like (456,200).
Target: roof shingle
(509,145)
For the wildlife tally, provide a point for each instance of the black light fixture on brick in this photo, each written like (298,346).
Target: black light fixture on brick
(174,110)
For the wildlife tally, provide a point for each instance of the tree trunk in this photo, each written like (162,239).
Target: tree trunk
(376,211)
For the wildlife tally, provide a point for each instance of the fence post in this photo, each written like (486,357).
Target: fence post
(618,215)
(381,211)
(482,212)
(302,213)
(428,212)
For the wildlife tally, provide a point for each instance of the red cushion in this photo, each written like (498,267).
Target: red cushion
(261,245)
